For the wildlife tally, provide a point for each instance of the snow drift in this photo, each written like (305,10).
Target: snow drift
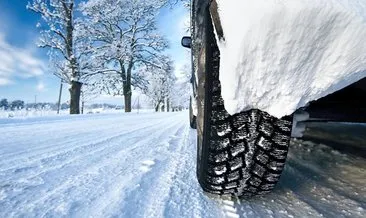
(280,54)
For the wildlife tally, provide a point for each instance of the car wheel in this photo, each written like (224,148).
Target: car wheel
(242,154)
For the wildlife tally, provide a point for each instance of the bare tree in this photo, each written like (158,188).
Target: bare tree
(161,82)
(182,89)
(58,34)
(88,93)
(123,36)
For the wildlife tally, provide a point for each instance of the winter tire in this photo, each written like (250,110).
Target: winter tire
(240,155)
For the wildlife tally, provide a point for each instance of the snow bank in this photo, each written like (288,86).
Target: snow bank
(20,114)
(280,54)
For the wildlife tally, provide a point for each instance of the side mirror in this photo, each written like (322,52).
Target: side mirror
(187,41)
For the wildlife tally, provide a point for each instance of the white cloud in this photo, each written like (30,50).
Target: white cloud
(4,82)
(17,63)
(41,87)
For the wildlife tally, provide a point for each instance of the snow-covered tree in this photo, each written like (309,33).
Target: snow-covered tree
(4,104)
(16,105)
(160,82)
(185,3)
(182,89)
(124,37)
(88,93)
(58,34)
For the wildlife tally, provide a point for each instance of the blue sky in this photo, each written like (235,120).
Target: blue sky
(24,71)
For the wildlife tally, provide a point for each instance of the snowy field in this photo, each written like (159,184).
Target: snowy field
(143,165)
(26,114)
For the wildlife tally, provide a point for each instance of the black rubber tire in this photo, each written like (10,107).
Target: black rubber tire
(192,117)
(239,155)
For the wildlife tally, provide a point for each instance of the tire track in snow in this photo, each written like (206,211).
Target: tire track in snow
(171,188)
(39,135)
(132,180)
(229,208)
(160,188)
(80,142)
(61,148)
(48,145)
(64,159)
(93,165)
(186,198)
(111,172)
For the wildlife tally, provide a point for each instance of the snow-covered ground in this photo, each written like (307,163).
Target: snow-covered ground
(278,55)
(143,165)
(26,114)
(21,114)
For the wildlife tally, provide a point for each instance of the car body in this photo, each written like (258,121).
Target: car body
(253,142)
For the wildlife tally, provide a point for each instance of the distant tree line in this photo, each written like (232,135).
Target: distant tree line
(13,105)
(20,105)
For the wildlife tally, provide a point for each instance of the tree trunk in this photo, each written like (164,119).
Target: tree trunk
(59,99)
(157,107)
(126,77)
(82,107)
(75,97)
(167,105)
(75,85)
(128,102)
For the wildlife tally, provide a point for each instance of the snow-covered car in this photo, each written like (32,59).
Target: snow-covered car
(258,63)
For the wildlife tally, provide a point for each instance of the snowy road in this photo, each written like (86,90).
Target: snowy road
(143,165)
